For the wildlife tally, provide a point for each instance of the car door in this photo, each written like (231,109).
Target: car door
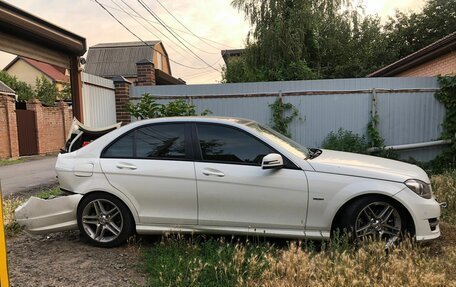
(153,166)
(233,189)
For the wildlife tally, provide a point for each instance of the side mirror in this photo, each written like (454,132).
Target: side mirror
(272,160)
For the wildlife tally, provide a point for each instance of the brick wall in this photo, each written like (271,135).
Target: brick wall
(122,94)
(8,132)
(52,124)
(146,73)
(443,65)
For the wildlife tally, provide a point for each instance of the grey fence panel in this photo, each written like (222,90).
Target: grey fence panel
(99,103)
(407,109)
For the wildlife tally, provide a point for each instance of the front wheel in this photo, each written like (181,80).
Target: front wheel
(104,220)
(374,217)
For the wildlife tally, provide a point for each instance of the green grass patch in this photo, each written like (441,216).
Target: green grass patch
(4,162)
(177,261)
(50,193)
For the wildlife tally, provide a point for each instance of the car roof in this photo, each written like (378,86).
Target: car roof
(209,119)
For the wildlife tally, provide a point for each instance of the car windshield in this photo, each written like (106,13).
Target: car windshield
(287,143)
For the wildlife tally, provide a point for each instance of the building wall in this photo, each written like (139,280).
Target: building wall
(443,65)
(165,63)
(26,73)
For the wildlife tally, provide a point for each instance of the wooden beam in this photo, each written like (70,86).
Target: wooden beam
(76,88)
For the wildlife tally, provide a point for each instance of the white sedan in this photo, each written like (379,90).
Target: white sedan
(229,176)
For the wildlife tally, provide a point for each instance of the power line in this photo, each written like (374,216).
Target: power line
(191,32)
(144,42)
(158,30)
(166,27)
(223,46)
(137,21)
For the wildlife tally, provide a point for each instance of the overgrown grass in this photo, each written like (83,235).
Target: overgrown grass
(188,261)
(50,193)
(9,205)
(444,187)
(4,162)
(179,261)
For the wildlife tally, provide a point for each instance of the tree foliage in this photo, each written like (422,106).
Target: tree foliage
(46,91)
(307,39)
(148,108)
(23,91)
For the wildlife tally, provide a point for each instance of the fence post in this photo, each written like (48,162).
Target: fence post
(4,281)
(374,105)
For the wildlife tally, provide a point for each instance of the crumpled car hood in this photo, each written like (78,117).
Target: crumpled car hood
(366,166)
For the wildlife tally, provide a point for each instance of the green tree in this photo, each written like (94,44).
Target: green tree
(46,91)
(23,90)
(306,39)
(407,33)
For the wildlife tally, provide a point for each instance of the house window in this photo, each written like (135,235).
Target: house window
(159,61)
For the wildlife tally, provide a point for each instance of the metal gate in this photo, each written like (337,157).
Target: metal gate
(26,132)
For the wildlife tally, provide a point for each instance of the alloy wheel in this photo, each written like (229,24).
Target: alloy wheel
(102,220)
(379,220)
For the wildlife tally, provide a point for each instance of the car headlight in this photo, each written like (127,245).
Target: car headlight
(419,187)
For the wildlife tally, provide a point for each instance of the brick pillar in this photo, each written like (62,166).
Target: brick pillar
(9,105)
(36,106)
(66,119)
(146,73)
(122,93)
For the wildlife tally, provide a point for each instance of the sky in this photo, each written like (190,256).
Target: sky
(216,23)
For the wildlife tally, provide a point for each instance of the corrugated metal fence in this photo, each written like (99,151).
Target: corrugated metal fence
(407,109)
(99,103)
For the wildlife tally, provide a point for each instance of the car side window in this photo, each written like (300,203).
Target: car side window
(121,148)
(160,141)
(229,145)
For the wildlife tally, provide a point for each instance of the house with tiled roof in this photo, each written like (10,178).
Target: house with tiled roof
(438,58)
(28,70)
(110,60)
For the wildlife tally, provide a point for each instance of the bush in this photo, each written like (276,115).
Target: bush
(344,140)
(148,108)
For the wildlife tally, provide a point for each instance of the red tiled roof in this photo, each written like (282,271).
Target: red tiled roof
(55,73)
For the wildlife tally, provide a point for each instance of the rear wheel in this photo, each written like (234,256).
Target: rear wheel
(374,217)
(104,220)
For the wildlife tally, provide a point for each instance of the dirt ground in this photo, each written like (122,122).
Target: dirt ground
(61,259)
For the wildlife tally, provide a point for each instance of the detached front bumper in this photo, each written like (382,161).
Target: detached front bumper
(41,216)
(425,214)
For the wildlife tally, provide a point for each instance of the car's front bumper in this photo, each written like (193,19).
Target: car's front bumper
(41,216)
(425,214)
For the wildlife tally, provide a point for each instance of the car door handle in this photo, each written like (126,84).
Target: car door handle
(213,172)
(125,166)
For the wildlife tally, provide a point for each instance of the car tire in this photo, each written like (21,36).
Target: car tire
(374,217)
(104,220)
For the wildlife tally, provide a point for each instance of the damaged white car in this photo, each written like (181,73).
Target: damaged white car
(229,176)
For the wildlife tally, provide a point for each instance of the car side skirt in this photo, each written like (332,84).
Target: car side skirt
(233,230)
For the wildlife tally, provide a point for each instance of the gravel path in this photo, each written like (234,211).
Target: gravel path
(61,259)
